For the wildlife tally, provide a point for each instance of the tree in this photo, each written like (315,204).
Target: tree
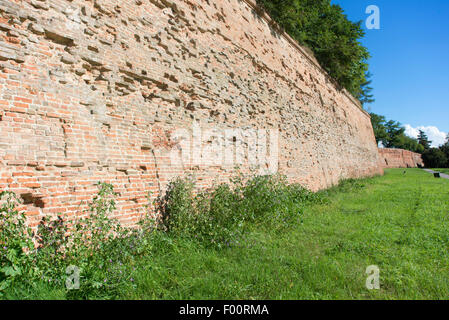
(419,147)
(334,39)
(378,122)
(366,97)
(407,143)
(435,158)
(424,140)
(445,149)
(394,133)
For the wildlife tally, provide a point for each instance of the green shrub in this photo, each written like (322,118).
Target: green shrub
(209,216)
(106,254)
(96,245)
(176,207)
(15,241)
(221,215)
(271,201)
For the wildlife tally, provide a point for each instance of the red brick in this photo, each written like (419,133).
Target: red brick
(122,138)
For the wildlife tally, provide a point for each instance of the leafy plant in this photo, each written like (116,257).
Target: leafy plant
(223,214)
(106,254)
(15,240)
(97,245)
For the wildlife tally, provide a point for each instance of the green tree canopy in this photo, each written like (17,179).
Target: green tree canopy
(445,149)
(424,140)
(332,37)
(392,134)
(435,158)
(380,132)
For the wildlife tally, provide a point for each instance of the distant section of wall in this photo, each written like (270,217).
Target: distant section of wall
(100,90)
(398,158)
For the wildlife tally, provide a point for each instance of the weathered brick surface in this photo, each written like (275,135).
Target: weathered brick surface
(398,158)
(92,90)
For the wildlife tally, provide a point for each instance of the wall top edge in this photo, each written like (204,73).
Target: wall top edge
(396,149)
(264,15)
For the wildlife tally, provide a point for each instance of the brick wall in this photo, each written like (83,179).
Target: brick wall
(398,158)
(94,90)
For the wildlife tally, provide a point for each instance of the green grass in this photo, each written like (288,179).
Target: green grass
(398,222)
(445,170)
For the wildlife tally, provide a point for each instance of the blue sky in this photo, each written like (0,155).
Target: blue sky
(410,61)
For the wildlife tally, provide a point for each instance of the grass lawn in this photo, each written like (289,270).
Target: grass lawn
(445,170)
(398,222)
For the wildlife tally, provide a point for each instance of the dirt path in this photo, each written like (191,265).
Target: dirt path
(443,175)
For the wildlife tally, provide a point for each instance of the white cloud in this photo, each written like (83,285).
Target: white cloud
(435,135)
